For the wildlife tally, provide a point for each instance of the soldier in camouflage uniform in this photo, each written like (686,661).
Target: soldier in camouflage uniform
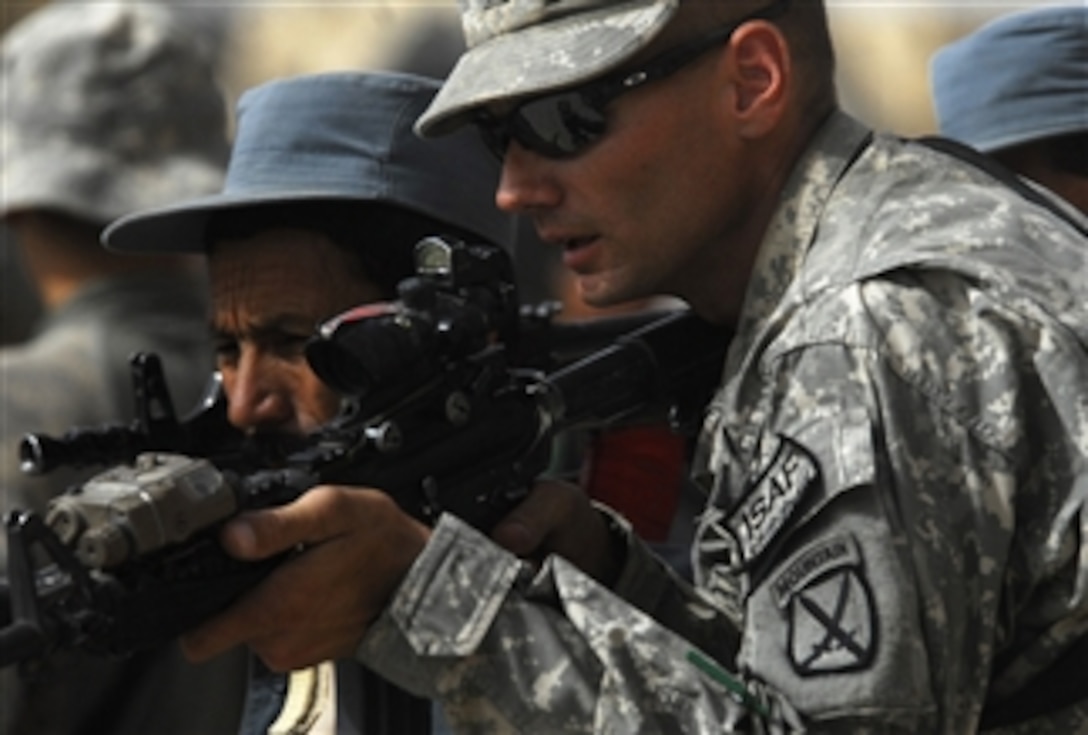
(896,462)
(106,109)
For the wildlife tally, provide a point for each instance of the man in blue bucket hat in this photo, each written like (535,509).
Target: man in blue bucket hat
(327,192)
(1017,90)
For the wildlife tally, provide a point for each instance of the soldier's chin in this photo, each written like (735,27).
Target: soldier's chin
(604,293)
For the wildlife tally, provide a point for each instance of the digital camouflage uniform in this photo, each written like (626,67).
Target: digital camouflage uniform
(897,469)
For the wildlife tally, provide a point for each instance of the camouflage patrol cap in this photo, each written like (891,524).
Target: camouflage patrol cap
(334,136)
(521,48)
(107,109)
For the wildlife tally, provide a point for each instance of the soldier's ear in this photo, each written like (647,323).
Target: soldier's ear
(760,70)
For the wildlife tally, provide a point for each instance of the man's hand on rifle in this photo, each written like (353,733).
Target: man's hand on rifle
(557,518)
(356,545)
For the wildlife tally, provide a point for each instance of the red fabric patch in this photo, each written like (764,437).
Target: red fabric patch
(638,471)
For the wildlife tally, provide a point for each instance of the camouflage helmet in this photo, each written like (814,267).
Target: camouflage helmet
(108,108)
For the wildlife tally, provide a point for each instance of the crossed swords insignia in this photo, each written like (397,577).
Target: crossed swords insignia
(832,624)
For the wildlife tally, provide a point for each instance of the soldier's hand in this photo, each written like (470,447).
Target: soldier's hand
(357,546)
(557,518)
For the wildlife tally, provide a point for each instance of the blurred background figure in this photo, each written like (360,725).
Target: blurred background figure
(1017,89)
(108,108)
(19,307)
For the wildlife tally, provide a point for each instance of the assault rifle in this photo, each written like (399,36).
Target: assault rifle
(453,395)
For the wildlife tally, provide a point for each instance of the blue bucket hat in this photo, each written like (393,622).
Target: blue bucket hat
(1020,78)
(335,136)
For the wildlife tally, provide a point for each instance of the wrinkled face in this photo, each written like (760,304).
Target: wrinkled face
(269,292)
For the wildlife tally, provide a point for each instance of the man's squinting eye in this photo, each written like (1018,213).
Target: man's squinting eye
(276,343)
(287,345)
(226,349)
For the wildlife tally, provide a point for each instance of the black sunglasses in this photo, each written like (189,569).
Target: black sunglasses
(563,124)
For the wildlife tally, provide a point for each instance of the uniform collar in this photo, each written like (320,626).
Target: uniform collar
(792,230)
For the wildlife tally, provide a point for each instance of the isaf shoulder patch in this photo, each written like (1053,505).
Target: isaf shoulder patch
(824,593)
(771,498)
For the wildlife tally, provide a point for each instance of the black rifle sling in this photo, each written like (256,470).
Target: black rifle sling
(1006,176)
